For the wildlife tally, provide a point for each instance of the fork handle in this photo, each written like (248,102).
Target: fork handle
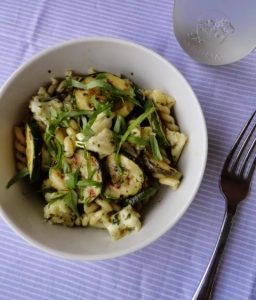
(205,288)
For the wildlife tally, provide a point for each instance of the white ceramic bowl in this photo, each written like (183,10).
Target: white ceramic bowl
(24,212)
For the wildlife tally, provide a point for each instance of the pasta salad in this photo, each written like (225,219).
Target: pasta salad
(98,148)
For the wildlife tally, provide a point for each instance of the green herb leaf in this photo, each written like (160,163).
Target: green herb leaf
(134,124)
(84,122)
(72,179)
(87,131)
(134,101)
(21,174)
(120,124)
(156,124)
(155,148)
(59,154)
(47,139)
(137,140)
(90,170)
(90,85)
(57,197)
(101,75)
(61,117)
(88,182)
(65,115)
(102,83)
(143,196)
(71,200)
(66,167)
(100,107)
(70,114)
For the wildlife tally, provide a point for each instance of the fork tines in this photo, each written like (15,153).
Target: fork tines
(242,154)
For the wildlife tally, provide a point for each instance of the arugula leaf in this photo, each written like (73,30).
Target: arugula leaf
(133,125)
(101,75)
(89,166)
(100,106)
(70,114)
(66,167)
(87,131)
(62,116)
(143,196)
(120,124)
(21,174)
(90,85)
(134,101)
(102,83)
(57,197)
(72,179)
(71,200)
(156,124)
(47,139)
(155,148)
(59,154)
(88,182)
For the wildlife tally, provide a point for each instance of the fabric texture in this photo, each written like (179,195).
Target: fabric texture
(171,267)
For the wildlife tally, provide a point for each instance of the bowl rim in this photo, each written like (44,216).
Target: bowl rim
(152,238)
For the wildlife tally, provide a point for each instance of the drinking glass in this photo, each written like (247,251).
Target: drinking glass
(215,32)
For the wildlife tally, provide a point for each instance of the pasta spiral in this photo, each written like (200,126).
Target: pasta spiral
(163,104)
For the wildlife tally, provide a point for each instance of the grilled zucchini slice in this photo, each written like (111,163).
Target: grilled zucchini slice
(33,151)
(126,177)
(91,183)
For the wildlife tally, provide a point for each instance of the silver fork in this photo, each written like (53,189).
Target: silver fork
(235,183)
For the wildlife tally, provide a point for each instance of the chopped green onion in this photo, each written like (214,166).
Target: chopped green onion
(134,124)
(21,174)
(155,148)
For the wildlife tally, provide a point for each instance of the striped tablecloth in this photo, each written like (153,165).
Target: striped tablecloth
(171,267)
